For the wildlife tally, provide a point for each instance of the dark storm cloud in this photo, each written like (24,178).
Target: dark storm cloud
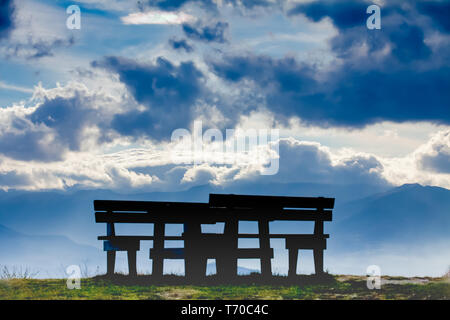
(344,14)
(398,78)
(438,11)
(170,5)
(401,26)
(207,33)
(67,117)
(6,17)
(55,127)
(349,14)
(168,92)
(181,44)
(347,97)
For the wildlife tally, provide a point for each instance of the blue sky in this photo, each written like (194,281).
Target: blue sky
(96,107)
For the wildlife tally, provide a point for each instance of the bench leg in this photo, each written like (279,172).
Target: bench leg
(318,261)
(264,244)
(132,270)
(158,244)
(110,262)
(195,268)
(226,262)
(194,260)
(293,256)
(158,266)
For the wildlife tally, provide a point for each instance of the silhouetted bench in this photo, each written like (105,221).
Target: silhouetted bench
(198,246)
(265,209)
(156,213)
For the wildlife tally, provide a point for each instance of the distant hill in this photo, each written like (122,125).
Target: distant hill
(410,213)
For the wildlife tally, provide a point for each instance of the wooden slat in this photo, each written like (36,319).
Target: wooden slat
(225,212)
(246,201)
(168,253)
(213,215)
(253,253)
(138,237)
(281,236)
(241,253)
(120,205)
(218,236)
(293,243)
(148,218)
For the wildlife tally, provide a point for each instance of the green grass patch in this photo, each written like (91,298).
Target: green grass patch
(335,287)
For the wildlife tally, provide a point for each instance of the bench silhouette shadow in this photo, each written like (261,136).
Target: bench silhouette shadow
(213,280)
(223,247)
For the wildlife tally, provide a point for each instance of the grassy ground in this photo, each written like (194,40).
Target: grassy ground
(334,287)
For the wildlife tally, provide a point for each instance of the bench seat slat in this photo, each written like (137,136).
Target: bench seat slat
(232,200)
(167,253)
(241,253)
(138,237)
(245,215)
(293,243)
(254,253)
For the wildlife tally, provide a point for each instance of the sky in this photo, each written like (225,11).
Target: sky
(98,107)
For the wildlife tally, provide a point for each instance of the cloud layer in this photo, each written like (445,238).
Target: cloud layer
(111,125)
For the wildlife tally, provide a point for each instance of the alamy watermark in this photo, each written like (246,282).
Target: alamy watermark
(74,20)
(249,147)
(74,277)
(373,277)
(374,21)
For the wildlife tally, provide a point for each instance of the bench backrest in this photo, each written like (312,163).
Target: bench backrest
(247,201)
(220,208)
(112,211)
(144,206)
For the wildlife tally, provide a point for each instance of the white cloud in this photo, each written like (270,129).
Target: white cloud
(434,156)
(7,86)
(158,17)
(140,165)
(411,168)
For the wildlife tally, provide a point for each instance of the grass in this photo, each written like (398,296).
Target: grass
(333,287)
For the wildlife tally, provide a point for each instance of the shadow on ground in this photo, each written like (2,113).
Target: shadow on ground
(252,279)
